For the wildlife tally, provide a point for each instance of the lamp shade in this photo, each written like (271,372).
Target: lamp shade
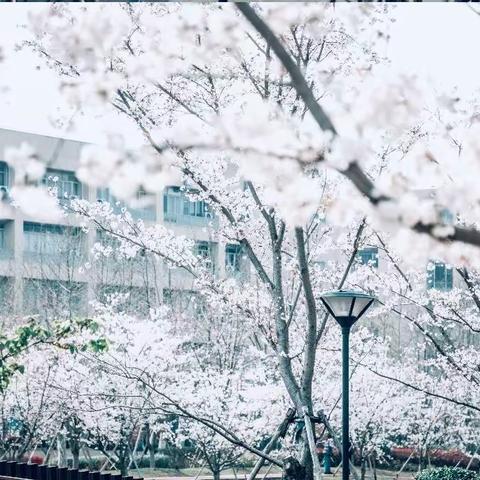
(347,304)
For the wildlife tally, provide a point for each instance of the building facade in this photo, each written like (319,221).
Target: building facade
(41,264)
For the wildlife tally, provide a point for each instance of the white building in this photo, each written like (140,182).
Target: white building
(40,263)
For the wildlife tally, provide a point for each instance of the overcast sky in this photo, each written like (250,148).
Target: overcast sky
(439,40)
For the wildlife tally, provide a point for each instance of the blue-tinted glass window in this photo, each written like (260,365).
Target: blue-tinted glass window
(368,256)
(447,217)
(179,208)
(66,183)
(4,175)
(41,238)
(439,276)
(204,250)
(233,257)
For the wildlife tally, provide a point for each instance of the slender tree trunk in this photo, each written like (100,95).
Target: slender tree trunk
(363,464)
(61,450)
(312,448)
(374,463)
(152,456)
(75,449)
(308,464)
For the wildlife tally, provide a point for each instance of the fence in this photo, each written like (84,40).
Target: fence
(33,471)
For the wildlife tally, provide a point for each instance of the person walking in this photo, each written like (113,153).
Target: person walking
(327,455)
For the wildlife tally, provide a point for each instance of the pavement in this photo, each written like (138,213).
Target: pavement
(381,475)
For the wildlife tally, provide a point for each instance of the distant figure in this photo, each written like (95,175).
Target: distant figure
(327,455)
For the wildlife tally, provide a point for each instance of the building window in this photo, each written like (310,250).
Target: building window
(195,208)
(178,208)
(146,212)
(104,195)
(145,209)
(447,217)
(233,258)
(204,250)
(45,239)
(172,204)
(439,276)
(5,249)
(4,175)
(65,183)
(368,256)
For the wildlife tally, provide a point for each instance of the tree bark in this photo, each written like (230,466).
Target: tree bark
(316,470)
(61,450)
(75,449)
(151,449)
(216,474)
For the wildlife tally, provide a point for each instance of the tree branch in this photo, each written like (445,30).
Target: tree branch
(354,172)
(311,330)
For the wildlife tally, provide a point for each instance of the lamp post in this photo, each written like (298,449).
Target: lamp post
(346,307)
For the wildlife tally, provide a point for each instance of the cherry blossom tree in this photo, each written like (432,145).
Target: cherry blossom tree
(306,144)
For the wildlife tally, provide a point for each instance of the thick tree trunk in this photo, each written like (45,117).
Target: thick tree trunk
(123,465)
(123,455)
(216,474)
(308,465)
(76,459)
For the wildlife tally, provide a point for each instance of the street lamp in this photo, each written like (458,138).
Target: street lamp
(346,307)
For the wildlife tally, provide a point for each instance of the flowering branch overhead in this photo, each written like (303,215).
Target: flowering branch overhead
(353,172)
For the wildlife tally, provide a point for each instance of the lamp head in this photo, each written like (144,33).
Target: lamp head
(346,306)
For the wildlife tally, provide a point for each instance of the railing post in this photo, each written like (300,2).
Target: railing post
(51,472)
(72,474)
(21,470)
(83,474)
(42,472)
(10,469)
(3,467)
(94,475)
(33,473)
(62,473)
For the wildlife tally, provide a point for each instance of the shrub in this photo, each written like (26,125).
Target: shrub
(161,461)
(94,464)
(447,473)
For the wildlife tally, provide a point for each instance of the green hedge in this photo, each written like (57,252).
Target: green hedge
(447,473)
